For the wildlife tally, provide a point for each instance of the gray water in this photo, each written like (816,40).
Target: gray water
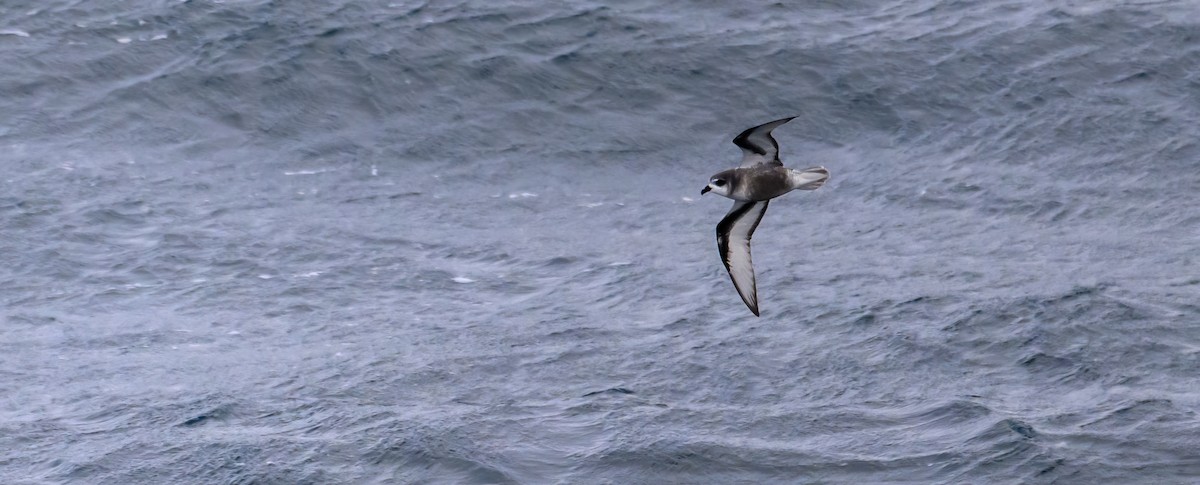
(314,242)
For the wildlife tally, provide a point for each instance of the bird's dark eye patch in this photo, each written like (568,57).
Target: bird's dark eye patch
(719,182)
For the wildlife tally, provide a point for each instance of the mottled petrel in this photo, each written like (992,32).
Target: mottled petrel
(760,178)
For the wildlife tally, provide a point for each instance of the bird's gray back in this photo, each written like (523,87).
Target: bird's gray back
(760,182)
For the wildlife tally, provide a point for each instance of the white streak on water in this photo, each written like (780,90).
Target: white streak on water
(309,172)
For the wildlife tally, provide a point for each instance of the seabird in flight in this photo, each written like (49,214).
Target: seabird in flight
(760,178)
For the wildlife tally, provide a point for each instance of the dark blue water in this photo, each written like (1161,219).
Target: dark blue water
(437,242)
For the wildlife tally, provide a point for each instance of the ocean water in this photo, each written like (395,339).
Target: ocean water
(315,242)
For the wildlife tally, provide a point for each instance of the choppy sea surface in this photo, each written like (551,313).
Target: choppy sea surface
(313,242)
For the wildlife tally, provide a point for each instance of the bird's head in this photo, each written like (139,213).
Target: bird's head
(719,184)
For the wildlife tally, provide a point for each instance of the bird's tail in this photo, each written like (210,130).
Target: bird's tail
(809,178)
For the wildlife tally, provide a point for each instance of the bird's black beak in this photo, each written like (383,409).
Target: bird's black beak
(705,190)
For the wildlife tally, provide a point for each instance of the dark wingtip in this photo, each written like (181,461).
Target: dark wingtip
(785,120)
(742,139)
(753,306)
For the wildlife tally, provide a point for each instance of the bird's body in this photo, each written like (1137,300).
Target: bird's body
(760,178)
(763,181)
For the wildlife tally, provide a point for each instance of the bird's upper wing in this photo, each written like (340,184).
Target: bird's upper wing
(757,144)
(733,241)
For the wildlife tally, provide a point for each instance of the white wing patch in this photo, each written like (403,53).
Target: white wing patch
(733,242)
(757,144)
